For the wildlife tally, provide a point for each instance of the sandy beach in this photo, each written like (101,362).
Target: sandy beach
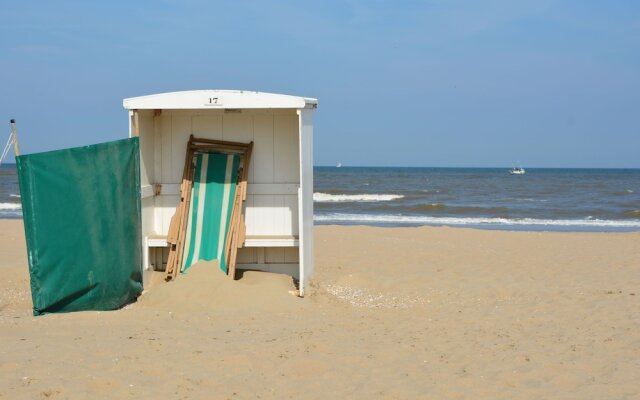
(393,313)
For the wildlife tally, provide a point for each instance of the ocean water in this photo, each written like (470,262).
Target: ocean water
(10,206)
(542,199)
(491,198)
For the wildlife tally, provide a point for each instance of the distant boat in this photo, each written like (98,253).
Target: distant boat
(517,171)
(338,165)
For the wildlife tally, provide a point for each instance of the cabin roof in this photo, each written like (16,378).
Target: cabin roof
(217,99)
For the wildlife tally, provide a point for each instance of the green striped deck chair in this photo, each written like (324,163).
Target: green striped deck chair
(214,188)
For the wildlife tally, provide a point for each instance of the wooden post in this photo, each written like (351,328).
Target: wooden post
(136,123)
(228,248)
(237,227)
(14,133)
(245,178)
(185,215)
(180,218)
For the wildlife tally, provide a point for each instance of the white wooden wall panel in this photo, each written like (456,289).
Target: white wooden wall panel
(291,255)
(155,135)
(246,255)
(147,149)
(207,126)
(259,255)
(166,209)
(274,255)
(262,161)
(180,131)
(147,211)
(291,215)
(274,215)
(285,149)
(273,188)
(238,128)
(264,214)
(157,216)
(248,217)
(165,143)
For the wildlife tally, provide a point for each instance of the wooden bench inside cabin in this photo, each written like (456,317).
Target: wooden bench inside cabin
(160,241)
(270,207)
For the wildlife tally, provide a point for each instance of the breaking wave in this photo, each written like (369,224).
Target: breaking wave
(10,210)
(471,221)
(344,198)
(10,206)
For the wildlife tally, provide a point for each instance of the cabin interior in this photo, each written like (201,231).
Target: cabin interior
(271,209)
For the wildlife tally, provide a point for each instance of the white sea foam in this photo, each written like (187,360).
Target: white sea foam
(10,210)
(344,198)
(479,221)
(523,199)
(10,206)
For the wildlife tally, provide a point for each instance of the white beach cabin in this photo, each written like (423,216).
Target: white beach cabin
(279,205)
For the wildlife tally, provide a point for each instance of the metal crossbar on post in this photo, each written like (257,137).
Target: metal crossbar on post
(6,149)
(13,140)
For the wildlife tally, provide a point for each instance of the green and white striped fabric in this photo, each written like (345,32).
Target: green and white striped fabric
(214,187)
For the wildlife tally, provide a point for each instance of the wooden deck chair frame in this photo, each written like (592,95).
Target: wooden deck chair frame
(236,230)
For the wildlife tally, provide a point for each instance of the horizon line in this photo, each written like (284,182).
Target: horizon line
(459,167)
(451,167)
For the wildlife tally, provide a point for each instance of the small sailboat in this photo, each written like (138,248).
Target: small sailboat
(517,171)
(339,165)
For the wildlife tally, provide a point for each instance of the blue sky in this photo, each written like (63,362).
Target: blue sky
(400,83)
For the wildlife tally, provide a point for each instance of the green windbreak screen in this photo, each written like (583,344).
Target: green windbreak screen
(81,211)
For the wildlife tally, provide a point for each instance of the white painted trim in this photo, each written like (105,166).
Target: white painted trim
(157,241)
(130,124)
(173,189)
(305,197)
(145,256)
(148,242)
(272,188)
(161,241)
(146,191)
(217,99)
(157,148)
(271,242)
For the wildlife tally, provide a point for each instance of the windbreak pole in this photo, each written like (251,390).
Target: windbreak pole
(14,134)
